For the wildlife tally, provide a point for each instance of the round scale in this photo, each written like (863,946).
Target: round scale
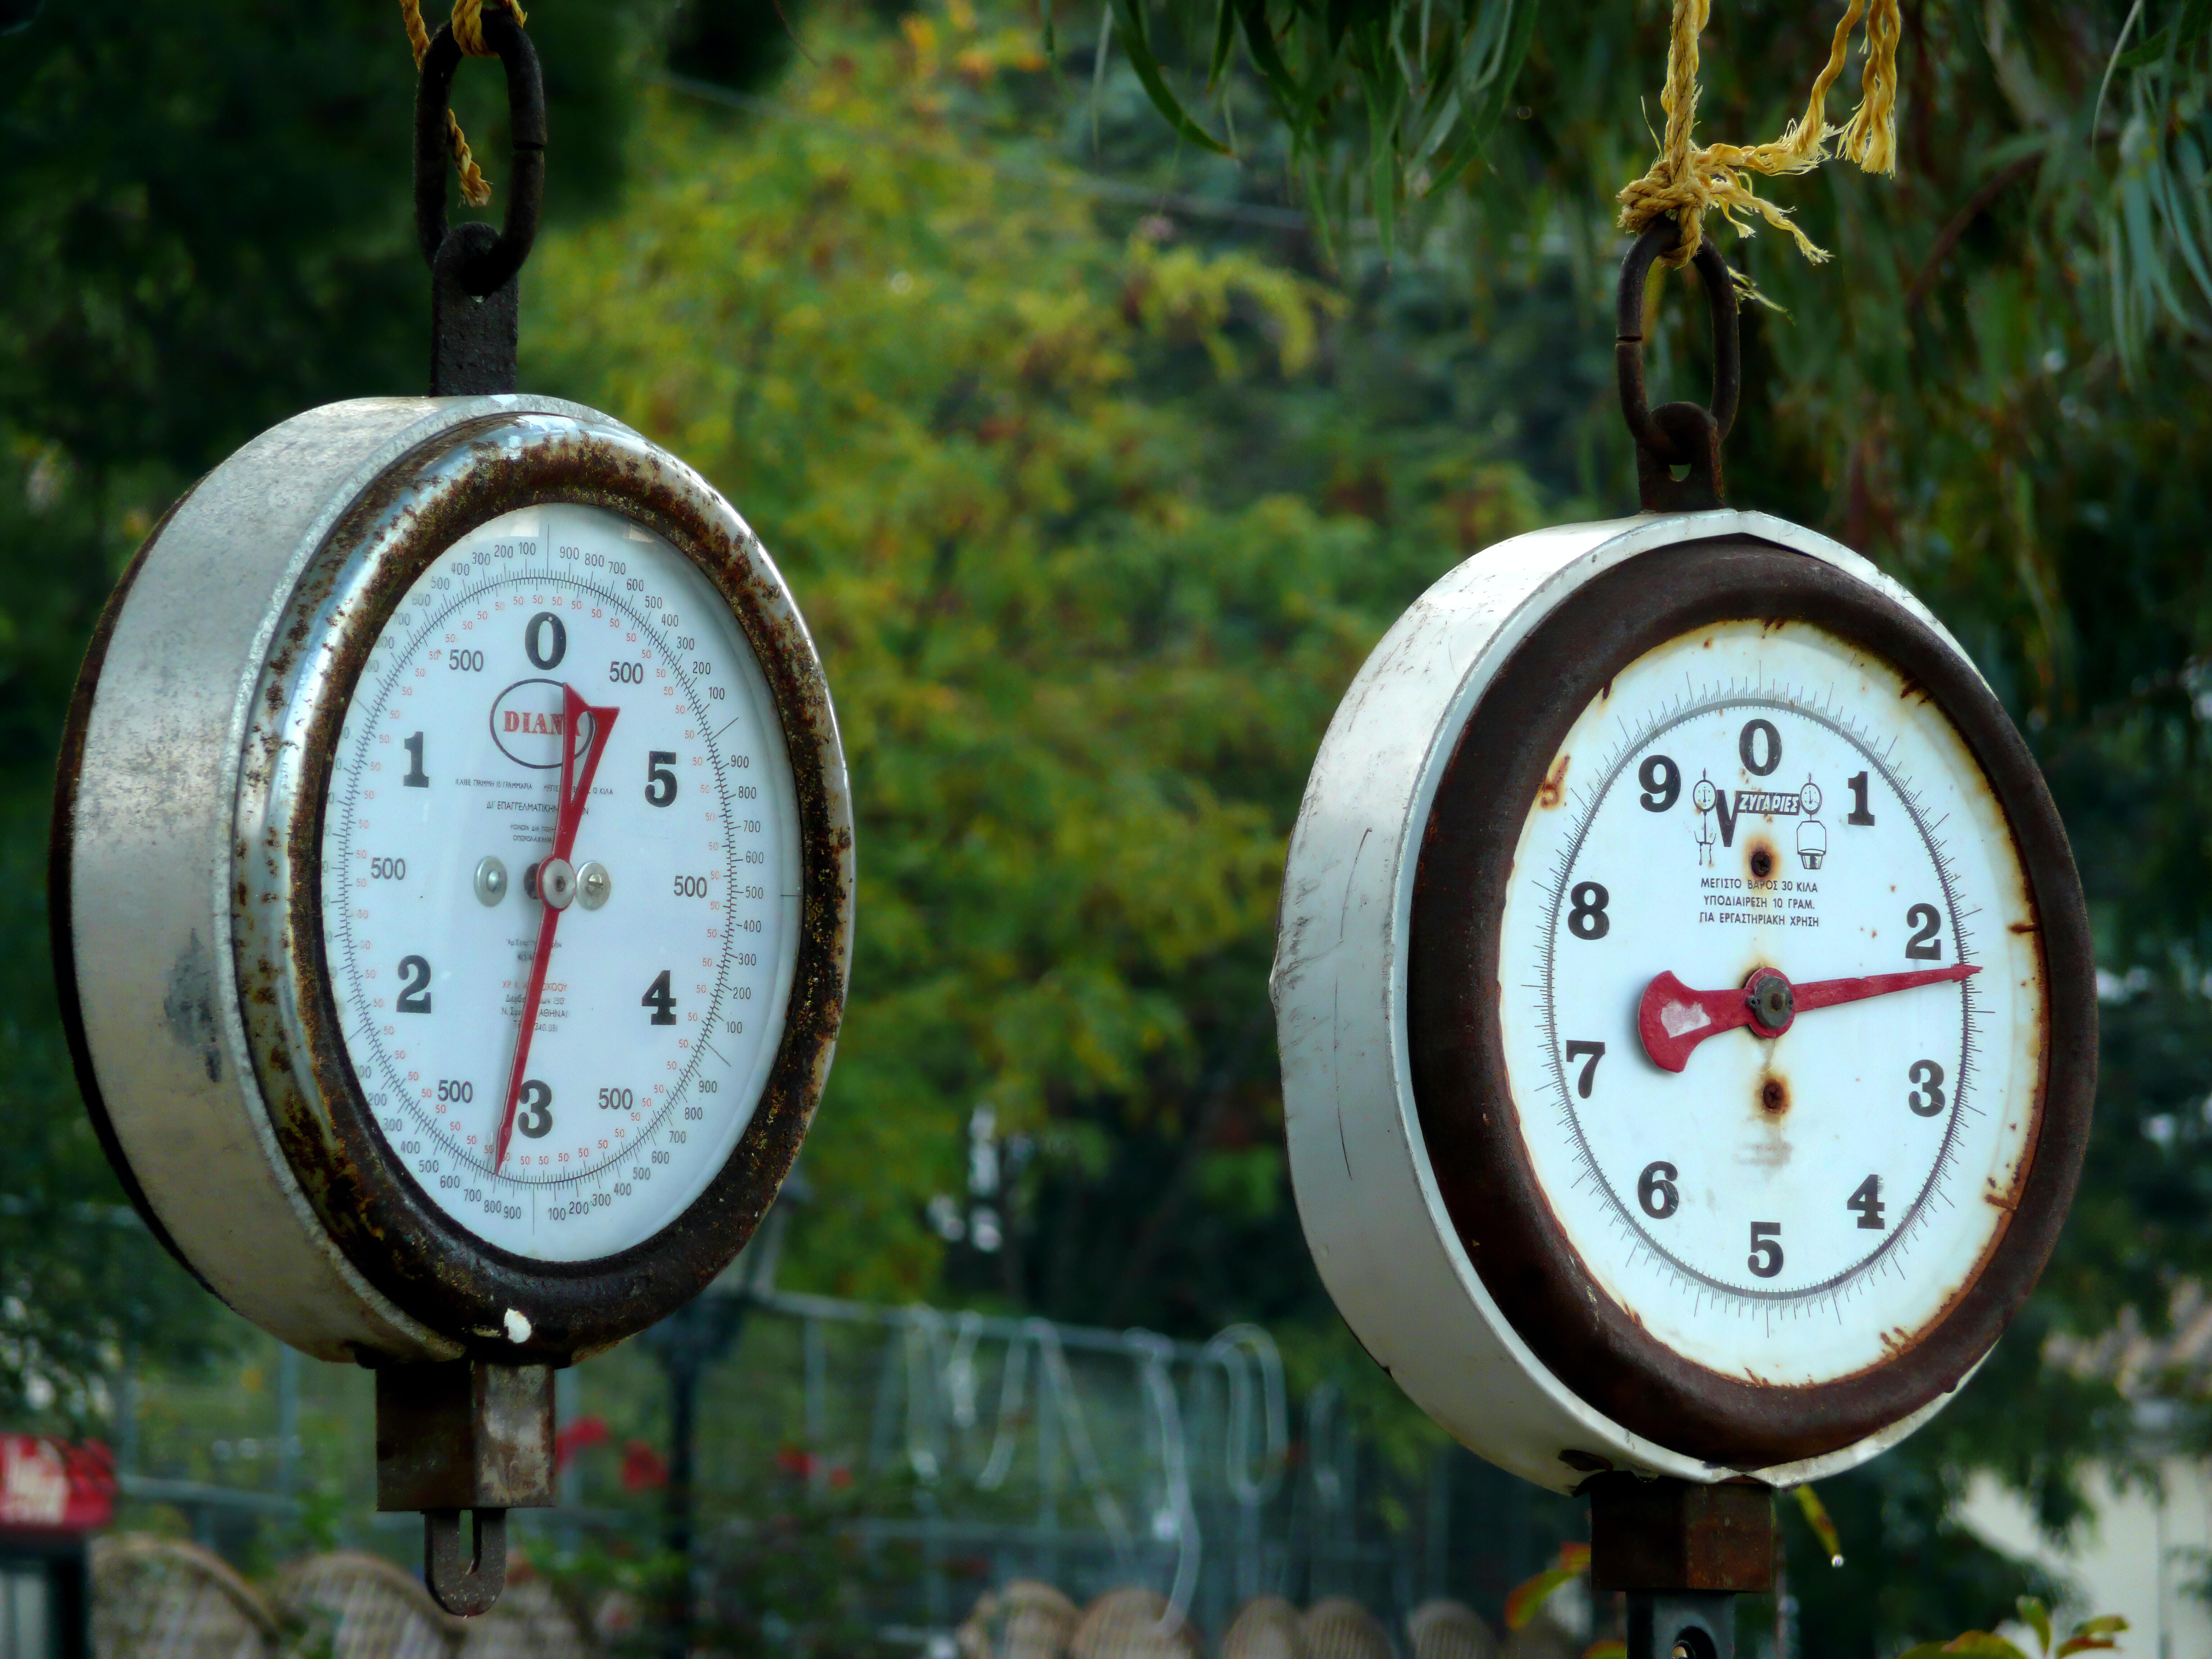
(453,880)
(1685,1005)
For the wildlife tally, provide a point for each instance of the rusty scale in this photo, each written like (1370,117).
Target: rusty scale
(453,882)
(1685,1007)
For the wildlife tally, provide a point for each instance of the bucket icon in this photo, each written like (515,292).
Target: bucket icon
(1811,843)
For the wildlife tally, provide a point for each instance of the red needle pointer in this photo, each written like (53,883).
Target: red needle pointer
(556,882)
(1674,1019)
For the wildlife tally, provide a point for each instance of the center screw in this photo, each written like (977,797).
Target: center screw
(556,884)
(1772,1003)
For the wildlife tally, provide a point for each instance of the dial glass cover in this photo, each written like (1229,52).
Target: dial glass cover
(1748,804)
(674,916)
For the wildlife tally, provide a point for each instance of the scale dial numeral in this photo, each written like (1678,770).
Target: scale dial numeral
(1867,1201)
(1927,1100)
(535,1115)
(1594,1052)
(1588,919)
(545,640)
(1859,815)
(1758,746)
(1765,1258)
(1656,1192)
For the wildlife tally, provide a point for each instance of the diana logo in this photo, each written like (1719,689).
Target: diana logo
(526,723)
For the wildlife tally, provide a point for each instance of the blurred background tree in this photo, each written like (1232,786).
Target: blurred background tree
(1098,460)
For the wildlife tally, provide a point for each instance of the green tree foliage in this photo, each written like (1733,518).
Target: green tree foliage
(1080,671)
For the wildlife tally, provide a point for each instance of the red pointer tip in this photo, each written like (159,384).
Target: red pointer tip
(1673,1020)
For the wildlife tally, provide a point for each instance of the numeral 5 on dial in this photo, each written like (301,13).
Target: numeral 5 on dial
(1765,1258)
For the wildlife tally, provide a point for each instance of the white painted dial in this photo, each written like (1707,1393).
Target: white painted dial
(674,944)
(1759,798)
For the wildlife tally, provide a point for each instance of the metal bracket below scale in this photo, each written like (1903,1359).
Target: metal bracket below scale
(1683,1553)
(465,1435)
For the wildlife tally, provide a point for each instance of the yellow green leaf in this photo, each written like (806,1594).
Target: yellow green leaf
(1816,1516)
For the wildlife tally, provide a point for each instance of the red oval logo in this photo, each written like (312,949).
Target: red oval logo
(526,723)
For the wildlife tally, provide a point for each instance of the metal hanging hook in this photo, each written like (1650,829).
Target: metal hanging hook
(464,1591)
(475,323)
(1680,434)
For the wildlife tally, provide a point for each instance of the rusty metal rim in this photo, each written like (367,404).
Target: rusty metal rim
(1462,1089)
(401,1242)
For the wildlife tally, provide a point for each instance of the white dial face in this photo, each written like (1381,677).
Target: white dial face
(652,960)
(1763,811)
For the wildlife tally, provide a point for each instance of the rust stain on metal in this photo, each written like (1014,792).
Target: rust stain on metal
(1759,858)
(1554,789)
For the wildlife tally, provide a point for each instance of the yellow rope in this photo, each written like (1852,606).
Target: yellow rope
(468,34)
(1688,179)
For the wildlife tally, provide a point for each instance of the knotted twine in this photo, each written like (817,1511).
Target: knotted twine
(468,34)
(1687,179)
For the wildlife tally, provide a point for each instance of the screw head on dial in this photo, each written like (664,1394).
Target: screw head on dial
(491,881)
(593,886)
(1773,1005)
(556,884)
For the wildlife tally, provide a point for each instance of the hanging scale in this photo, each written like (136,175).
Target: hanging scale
(1687,1010)
(453,881)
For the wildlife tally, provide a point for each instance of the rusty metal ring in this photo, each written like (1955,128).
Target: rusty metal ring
(486,271)
(1628,346)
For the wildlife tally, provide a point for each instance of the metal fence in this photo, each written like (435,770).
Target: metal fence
(946,1452)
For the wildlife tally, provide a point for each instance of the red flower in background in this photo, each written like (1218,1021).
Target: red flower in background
(581,1435)
(643,1469)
